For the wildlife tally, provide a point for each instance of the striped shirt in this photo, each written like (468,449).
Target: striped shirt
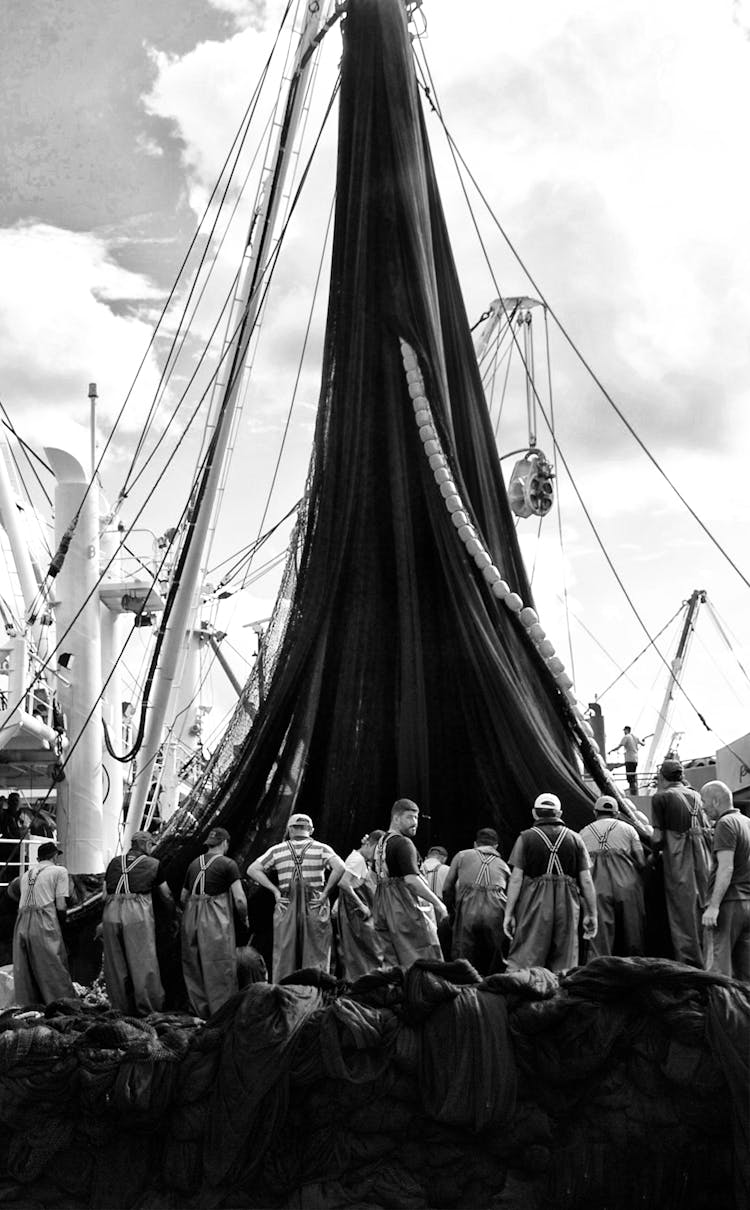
(313,858)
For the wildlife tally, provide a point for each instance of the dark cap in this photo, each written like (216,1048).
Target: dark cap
(139,838)
(47,851)
(487,836)
(215,837)
(671,770)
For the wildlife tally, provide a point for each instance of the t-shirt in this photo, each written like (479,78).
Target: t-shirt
(484,864)
(314,859)
(613,836)
(401,857)
(356,870)
(221,873)
(629,745)
(142,878)
(532,852)
(49,882)
(434,871)
(678,809)
(732,832)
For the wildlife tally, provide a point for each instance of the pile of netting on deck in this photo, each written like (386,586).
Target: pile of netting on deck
(399,672)
(624,1086)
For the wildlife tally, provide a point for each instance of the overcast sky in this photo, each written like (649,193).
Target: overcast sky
(610,143)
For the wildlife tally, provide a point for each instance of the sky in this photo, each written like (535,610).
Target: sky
(608,142)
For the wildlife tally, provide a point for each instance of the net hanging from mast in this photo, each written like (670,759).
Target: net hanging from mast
(399,673)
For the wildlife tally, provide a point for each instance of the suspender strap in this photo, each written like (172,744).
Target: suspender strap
(553,864)
(298,860)
(199,886)
(378,858)
(123,885)
(30,892)
(603,837)
(483,873)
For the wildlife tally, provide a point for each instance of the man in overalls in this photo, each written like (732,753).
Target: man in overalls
(476,883)
(131,966)
(211,892)
(40,963)
(617,864)
(682,834)
(402,897)
(551,874)
(302,932)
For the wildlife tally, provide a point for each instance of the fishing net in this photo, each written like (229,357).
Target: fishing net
(399,672)
(622,1085)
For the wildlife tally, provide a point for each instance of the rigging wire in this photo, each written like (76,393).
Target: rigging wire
(456,155)
(557,500)
(635,660)
(307,327)
(67,538)
(572,344)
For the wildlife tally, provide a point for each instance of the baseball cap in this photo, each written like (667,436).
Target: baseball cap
(671,769)
(216,836)
(606,802)
(547,802)
(141,837)
(301,820)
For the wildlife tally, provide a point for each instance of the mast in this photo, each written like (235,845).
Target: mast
(243,316)
(697,598)
(79,795)
(9,518)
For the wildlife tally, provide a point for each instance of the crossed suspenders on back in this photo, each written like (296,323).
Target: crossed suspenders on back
(123,883)
(553,863)
(199,886)
(603,837)
(30,900)
(298,859)
(483,873)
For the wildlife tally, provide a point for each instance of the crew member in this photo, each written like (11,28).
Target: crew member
(726,920)
(434,868)
(211,892)
(402,897)
(40,962)
(359,944)
(551,874)
(630,744)
(302,933)
(617,864)
(131,966)
(476,882)
(681,834)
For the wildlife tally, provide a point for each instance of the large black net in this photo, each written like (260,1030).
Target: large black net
(399,672)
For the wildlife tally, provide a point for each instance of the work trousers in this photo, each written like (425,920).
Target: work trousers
(302,931)
(360,945)
(620,907)
(209,952)
(478,928)
(131,967)
(405,924)
(40,963)
(547,914)
(727,947)
(687,862)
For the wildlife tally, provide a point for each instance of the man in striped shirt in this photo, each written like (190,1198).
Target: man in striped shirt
(307,872)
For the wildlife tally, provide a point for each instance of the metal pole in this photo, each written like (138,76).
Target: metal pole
(93,397)
(246,304)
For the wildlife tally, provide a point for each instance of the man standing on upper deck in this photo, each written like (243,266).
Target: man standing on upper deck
(551,874)
(302,933)
(726,920)
(630,744)
(402,896)
(682,835)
